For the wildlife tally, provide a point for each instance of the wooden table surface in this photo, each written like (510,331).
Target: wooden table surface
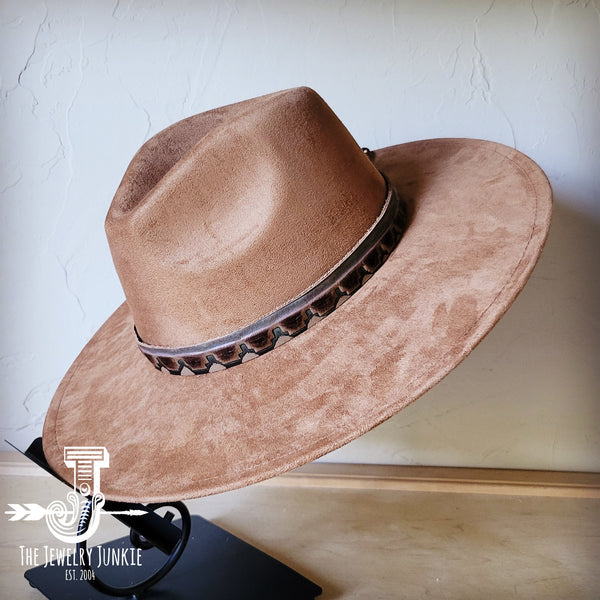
(376,543)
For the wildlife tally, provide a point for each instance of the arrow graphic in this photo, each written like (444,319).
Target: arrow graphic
(132,512)
(28,512)
(35,512)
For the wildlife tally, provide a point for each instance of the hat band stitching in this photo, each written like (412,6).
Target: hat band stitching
(297,316)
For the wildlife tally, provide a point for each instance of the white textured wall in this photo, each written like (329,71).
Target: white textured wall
(83,84)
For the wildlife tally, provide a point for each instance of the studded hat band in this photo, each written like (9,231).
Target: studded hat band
(298,315)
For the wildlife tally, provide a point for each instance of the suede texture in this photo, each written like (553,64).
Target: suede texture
(236,220)
(481,213)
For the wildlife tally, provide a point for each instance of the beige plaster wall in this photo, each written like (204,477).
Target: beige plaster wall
(83,84)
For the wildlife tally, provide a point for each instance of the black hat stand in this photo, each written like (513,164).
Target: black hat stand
(216,564)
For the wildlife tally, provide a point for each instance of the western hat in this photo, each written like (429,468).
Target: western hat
(286,291)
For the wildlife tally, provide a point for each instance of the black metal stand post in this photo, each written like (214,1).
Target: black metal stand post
(216,564)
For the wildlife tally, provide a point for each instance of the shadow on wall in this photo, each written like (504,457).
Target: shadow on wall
(529,395)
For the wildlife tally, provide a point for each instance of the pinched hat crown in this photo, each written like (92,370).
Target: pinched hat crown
(232,218)
(229,215)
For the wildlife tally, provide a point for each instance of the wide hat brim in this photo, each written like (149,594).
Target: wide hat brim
(481,213)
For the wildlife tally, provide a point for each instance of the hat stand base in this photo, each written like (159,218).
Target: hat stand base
(214,565)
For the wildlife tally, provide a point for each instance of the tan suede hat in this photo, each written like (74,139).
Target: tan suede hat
(237,230)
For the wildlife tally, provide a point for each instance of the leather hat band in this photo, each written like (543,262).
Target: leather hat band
(298,315)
